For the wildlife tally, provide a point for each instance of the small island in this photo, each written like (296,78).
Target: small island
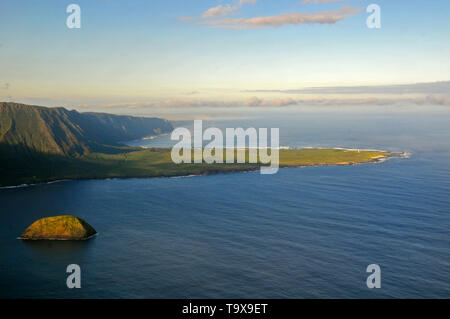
(63,227)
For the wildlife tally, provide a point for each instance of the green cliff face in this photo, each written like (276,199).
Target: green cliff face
(26,130)
(39,143)
(64,227)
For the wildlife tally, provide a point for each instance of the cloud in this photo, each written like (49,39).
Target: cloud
(435,99)
(224,10)
(320,1)
(369,101)
(284,102)
(254,101)
(169,103)
(294,18)
(218,16)
(426,94)
(186,18)
(219,11)
(373,101)
(443,100)
(442,87)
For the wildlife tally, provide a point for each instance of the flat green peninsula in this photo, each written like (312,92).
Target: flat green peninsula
(157,162)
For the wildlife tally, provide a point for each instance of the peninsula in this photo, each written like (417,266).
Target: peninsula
(39,144)
(157,162)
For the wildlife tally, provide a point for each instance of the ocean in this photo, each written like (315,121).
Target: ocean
(306,232)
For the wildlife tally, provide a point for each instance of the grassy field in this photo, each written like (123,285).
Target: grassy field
(158,163)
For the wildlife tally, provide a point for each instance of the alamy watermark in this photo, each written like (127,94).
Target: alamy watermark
(74,19)
(74,279)
(374,279)
(190,148)
(374,20)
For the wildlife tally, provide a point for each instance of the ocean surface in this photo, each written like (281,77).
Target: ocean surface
(302,233)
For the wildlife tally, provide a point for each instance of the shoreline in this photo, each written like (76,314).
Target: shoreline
(55,239)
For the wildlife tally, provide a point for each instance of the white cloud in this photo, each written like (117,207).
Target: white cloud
(294,18)
(253,101)
(428,100)
(320,1)
(284,102)
(426,94)
(219,11)
(442,87)
(224,10)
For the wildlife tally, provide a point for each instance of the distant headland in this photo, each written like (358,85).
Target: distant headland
(157,162)
(39,144)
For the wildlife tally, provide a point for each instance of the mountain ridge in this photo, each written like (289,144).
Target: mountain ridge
(29,129)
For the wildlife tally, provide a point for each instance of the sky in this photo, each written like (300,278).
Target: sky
(131,54)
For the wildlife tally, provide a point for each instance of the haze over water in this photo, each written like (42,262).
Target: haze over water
(301,233)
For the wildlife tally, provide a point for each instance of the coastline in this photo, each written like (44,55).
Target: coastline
(236,169)
(57,238)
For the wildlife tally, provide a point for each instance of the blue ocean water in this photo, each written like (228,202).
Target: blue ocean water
(302,233)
